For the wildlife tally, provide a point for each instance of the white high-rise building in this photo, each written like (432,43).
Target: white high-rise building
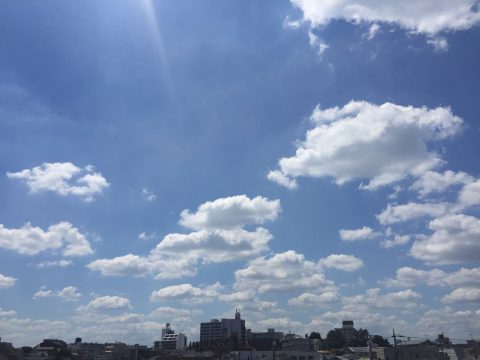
(172,341)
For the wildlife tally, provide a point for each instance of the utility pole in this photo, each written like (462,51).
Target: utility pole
(394,345)
(370,355)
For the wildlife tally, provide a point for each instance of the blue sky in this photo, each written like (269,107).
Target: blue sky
(303,162)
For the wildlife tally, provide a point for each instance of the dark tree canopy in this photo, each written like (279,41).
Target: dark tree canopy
(335,339)
(380,341)
(315,335)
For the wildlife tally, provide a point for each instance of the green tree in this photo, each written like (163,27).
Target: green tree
(315,335)
(335,339)
(361,338)
(381,341)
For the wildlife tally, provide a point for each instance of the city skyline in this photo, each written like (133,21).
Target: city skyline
(304,162)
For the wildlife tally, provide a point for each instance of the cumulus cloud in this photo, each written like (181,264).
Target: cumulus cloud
(220,237)
(399,213)
(216,245)
(469,195)
(282,272)
(396,241)
(239,296)
(54,263)
(231,212)
(187,293)
(378,143)
(374,299)
(138,266)
(6,281)
(454,240)
(23,331)
(29,240)
(436,182)
(463,294)
(456,321)
(357,234)
(313,299)
(174,312)
(68,293)
(106,303)
(342,262)
(63,179)
(419,16)
(278,177)
(409,277)
(279,324)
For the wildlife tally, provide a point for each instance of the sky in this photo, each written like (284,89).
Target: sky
(305,162)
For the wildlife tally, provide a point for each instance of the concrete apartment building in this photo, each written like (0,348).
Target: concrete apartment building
(216,330)
(171,341)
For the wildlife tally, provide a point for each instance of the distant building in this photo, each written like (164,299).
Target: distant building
(277,355)
(348,331)
(214,331)
(263,340)
(171,341)
(211,332)
(410,350)
(86,351)
(293,342)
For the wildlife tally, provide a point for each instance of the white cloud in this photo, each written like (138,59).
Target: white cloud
(284,324)
(342,262)
(400,213)
(419,16)
(396,241)
(379,143)
(149,195)
(434,321)
(454,240)
(68,293)
(7,313)
(309,299)
(282,272)
(23,331)
(59,263)
(129,264)
(231,212)
(219,238)
(373,299)
(408,277)
(432,181)
(469,195)
(29,240)
(440,44)
(64,179)
(174,313)
(357,234)
(6,281)
(215,245)
(463,294)
(134,265)
(239,296)
(187,293)
(373,31)
(318,44)
(146,237)
(278,177)
(366,318)
(259,307)
(106,303)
